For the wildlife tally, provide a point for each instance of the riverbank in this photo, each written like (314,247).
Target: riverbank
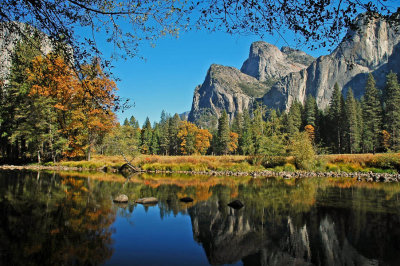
(363,167)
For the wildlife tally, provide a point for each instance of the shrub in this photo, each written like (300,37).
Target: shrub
(302,150)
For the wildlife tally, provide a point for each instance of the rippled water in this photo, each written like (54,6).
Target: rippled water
(69,218)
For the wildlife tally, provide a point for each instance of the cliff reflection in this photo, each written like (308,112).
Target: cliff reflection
(301,223)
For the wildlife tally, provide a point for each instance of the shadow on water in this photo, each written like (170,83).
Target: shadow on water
(69,218)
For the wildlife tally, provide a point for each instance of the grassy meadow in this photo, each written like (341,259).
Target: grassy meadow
(378,163)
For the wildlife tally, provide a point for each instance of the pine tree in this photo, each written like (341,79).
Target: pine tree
(146,137)
(223,135)
(16,96)
(237,124)
(155,139)
(372,116)
(310,111)
(126,122)
(258,126)
(274,137)
(246,140)
(352,140)
(164,133)
(392,110)
(133,122)
(173,129)
(335,113)
(294,118)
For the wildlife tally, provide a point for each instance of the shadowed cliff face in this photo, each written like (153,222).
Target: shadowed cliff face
(322,236)
(370,49)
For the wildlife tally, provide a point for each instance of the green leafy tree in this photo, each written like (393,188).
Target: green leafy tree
(301,148)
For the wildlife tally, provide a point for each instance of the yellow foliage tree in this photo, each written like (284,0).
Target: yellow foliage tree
(192,139)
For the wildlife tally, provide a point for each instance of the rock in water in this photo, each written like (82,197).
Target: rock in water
(122,198)
(186,199)
(149,200)
(236,204)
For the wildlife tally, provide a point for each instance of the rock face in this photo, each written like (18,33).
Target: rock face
(225,88)
(374,47)
(8,41)
(267,63)
(280,77)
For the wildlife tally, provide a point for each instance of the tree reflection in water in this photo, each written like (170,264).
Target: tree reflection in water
(69,218)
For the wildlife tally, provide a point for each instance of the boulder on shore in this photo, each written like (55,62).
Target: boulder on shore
(148,200)
(236,204)
(122,198)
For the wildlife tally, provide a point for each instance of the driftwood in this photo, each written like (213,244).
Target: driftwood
(128,167)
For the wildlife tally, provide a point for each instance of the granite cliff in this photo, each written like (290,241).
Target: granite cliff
(233,90)
(278,77)
(374,47)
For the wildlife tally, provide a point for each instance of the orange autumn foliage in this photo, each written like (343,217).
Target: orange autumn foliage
(233,143)
(83,101)
(310,131)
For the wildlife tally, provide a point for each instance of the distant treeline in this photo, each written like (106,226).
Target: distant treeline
(348,125)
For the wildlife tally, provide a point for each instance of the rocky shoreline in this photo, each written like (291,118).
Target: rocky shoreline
(360,176)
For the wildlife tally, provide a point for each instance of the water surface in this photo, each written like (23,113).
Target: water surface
(69,218)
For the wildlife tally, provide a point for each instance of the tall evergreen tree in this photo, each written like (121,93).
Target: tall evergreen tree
(147,136)
(164,137)
(310,111)
(237,124)
(223,137)
(246,140)
(294,118)
(155,139)
(16,96)
(173,129)
(392,110)
(335,113)
(372,116)
(352,130)
(258,127)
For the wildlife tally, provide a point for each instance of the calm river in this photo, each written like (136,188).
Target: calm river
(69,218)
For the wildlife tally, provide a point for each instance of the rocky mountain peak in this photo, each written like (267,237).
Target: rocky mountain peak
(266,62)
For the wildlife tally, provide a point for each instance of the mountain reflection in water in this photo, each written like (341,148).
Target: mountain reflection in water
(69,218)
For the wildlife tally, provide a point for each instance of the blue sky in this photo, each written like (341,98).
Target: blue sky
(167,77)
